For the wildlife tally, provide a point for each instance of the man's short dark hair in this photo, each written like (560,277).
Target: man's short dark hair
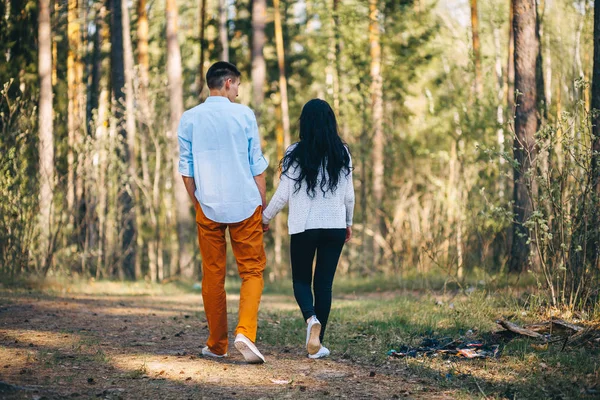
(219,72)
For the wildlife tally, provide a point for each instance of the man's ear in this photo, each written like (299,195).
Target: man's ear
(228,83)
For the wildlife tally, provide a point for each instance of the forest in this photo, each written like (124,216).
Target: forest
(474,128)
(472,125)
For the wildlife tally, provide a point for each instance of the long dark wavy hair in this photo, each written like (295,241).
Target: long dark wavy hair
(320,151)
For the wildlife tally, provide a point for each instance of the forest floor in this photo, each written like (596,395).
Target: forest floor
(134,341)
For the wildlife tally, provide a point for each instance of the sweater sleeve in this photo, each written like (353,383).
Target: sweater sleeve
(279,199)
(349,198)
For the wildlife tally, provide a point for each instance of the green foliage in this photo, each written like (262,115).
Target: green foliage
(18,182)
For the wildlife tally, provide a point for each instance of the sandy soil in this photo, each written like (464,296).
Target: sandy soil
(148,347)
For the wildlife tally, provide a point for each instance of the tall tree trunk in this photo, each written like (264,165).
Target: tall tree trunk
(223,31)
(130,244)
(595,170)
(143,62)
(526,123)
(510,68)
(539,74)
(285,118)
(74,116)
(337,54)
(125,233)
(102,68)
(200,80)
(259,66)
(46,144)
(377,118)
(476,48)
(283,130)
(499,110)
(185,223)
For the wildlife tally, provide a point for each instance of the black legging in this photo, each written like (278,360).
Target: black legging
(327,243)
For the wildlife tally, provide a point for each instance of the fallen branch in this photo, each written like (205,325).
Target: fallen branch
(564,324)
(521,331)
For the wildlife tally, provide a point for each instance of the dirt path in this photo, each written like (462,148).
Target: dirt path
(147,347)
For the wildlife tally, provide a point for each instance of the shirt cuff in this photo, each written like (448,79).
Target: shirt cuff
(259,166)
(186,169)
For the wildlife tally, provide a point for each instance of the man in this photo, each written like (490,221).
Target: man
(223,169)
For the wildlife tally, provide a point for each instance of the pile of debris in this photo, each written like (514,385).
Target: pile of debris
(462,347)
(553,331)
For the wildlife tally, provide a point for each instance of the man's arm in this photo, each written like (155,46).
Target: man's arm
(190,186)
(261,184)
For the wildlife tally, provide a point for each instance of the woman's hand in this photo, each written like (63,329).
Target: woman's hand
(348,234)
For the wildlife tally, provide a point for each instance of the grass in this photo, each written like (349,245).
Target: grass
(372,316)
(364,328)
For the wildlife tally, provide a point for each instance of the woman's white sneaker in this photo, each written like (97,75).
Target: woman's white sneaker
(322,353)
(313,330)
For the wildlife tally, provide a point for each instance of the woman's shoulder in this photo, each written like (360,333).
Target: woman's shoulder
(291,147)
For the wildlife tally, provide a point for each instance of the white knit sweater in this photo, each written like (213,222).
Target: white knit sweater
(329,211)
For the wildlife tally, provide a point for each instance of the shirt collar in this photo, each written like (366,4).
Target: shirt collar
(217,99)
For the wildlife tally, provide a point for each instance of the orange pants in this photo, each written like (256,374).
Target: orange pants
(248,249)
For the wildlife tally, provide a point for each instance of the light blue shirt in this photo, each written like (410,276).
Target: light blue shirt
(219,146)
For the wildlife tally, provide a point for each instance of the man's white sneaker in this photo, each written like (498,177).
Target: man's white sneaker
(248,350)
(313,330)
(207,353)
(323,352)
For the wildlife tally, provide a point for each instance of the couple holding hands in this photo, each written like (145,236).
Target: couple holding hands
(223,169)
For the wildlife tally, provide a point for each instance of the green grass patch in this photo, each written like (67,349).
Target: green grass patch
(363,328)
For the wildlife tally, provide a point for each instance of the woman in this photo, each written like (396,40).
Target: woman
(316,181)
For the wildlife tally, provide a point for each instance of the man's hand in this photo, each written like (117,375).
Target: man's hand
(265,227)
(190,187)
(348,234)
(261,184)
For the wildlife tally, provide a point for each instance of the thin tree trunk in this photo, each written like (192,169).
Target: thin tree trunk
(74,117)
(132,221)
(285,118)
(183,260)
(539,77)
(476,48)
(200,79)
(595,169)
(259,66)
(46,144)
(499,110)
(101,135)
(510,68)
(223,35)
(143,62)
(336,61)
(377,118)
(526,123)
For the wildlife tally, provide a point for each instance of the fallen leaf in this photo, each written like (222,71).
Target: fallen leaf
(280,381)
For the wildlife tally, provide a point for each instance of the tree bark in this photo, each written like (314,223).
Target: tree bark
(202,49)
(223,31)
(285,118)
(185,223)
(74,115)
(595,169)
(510,68)
(130,244)
(499,111)
(46,137)
(259,66)
(526,124)
(476,48)
(539,77)
(377,118)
